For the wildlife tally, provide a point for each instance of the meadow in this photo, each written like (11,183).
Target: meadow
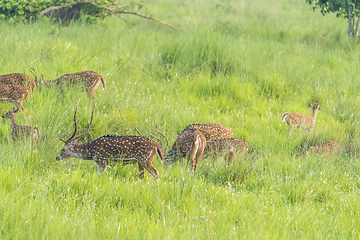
(238,63)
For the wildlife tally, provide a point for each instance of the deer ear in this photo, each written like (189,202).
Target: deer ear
(310,105)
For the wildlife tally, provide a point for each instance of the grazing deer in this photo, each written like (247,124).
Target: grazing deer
(21,132)
(190,143)
(128,149)
(327,148)
(20,79)
(228,147)
(211,131)
(89,79)
(14,93)
(296,119)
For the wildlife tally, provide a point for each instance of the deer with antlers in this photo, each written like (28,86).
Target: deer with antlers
(227,147)
(296,119)
(190,143)
(128,149)
(89,79)
(326,148)
(14,93)
(211,131)
(21,132)
(20,79)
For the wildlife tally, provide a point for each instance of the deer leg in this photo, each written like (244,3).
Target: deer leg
(197,160)
(292,129)
(101,166)
(19,105)
(149,167)
(141,171)
(232,156)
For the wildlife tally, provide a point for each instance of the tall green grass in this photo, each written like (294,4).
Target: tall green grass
(242,64)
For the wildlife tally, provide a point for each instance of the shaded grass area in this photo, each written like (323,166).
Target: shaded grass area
(242,64)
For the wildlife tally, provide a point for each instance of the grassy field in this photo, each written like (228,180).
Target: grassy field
(238,63)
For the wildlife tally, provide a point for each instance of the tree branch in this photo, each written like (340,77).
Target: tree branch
(149,18)
(106,9)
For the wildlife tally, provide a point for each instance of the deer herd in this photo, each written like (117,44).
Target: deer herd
(194,142)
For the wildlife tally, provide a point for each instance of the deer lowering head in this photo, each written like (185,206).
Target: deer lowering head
(327,149)
(190,143)
(21,132)
(227,147)
(296,119)
(108,148)
(211,131)
(89,79)
(13,93)
(20,79)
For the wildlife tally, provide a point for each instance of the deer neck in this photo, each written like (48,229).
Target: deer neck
(13,124)
(47,82)
(314,113)
(83,150)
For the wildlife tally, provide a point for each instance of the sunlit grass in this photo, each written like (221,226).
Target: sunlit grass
(242,64)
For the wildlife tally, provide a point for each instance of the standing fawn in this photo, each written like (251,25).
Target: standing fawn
(20,79)
(14,93)
(21,132)
(296,119)
(89,79)
(128,149)
(211,131)
(327,148)
(228,147)
(190,143)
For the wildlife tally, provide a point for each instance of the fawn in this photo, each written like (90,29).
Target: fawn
(21,132)
(296,119)
(326,148)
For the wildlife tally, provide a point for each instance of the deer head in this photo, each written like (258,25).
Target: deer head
(70,143)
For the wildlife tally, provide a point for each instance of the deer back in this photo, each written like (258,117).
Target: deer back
(223,146)
(211,131)
(327,148)
(89,78)
(19,79)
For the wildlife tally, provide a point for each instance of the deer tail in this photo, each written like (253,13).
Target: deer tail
(285,116)
(103,82)
(158,149)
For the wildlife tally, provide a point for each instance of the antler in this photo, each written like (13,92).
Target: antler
(167,141)
(32,70)
(138,132)
(89,125)
(76,124)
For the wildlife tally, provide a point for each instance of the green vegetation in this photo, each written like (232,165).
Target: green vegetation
(238,63)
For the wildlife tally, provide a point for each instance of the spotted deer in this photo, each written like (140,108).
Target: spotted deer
(20,79)
(190,143)
(108,148)
(21,132)
(326,148)
(14,93)
(296,119)
(227,147)
(211,131)
(89,79)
